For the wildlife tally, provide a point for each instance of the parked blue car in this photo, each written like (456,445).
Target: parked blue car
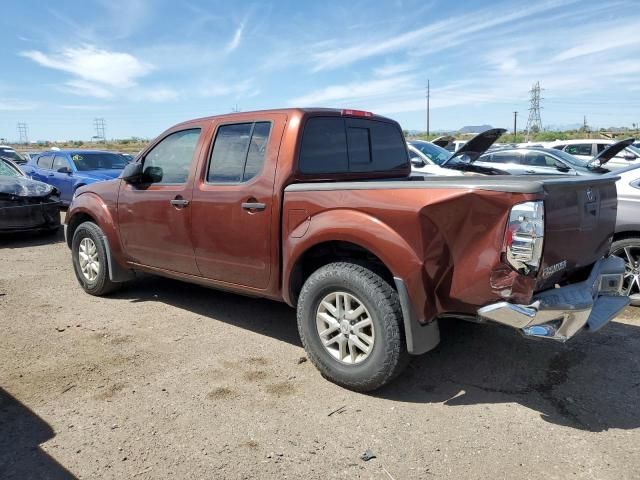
(69,169)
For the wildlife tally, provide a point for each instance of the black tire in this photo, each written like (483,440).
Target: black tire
(388,357)
(101,285)
(633,246)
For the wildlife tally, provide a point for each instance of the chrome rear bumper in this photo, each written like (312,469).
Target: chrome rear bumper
(559,313)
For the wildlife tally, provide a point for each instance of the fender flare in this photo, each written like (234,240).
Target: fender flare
(93,206)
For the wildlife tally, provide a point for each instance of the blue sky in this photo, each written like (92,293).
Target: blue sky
(144,65)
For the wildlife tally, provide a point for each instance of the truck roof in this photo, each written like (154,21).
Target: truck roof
(293,110)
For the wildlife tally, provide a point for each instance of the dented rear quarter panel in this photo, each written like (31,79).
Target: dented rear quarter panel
(446,244)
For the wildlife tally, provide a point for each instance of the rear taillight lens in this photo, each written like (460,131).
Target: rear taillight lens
(524,236)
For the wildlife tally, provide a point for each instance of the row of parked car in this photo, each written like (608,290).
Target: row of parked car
(34,186)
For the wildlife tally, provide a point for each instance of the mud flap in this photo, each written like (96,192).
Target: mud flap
(420,338)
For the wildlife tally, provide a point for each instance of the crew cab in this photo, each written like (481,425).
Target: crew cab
(317,208)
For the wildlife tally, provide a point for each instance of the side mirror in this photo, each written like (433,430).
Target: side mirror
(66,170)
(629,157)
(132,173)
(562,167)
(417,162)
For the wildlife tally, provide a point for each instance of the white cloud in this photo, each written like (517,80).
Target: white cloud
(157,94)
(84,88)
(235,41)
(242,89)
(429,39)
(91,64)
(618,37)
(12,104)
(389,70)
(86,107)
(354,91)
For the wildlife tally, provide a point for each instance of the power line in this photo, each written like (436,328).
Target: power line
(534,123)
(99,124)
(23,132)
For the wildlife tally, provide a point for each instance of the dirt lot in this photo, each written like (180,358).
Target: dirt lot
(169,380)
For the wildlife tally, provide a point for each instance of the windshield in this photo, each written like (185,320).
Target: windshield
(634,149)
(436,154)
(570,159)
(8,170)
(98,161)
(11,154)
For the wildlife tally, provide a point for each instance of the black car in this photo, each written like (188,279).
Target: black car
(26,204)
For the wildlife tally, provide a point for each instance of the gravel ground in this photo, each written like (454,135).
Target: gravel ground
(170,380)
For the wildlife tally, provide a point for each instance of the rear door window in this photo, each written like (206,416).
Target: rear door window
(579,149)
(342,145)
(238,152)
(502,157)
(45,161)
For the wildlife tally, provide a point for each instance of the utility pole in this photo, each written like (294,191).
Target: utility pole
(428,99)
(23,132)
(534,123)
(515,125)
(98,123)
(585,127)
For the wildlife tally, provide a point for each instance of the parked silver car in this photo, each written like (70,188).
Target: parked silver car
(549,161)
(627,235)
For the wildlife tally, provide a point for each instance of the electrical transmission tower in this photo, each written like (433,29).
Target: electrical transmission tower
(534,124)
(99,124)
(23,132)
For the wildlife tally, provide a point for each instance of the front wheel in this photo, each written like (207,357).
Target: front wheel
(89,254)
(350,324)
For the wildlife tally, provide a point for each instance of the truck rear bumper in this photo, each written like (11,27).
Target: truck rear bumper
(559,313)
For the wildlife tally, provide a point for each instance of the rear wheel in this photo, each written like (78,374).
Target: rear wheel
(629,250)
(350,323)
(90,264)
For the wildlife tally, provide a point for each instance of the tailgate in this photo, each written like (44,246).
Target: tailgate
(580,217)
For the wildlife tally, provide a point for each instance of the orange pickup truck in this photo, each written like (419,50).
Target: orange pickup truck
(317,208)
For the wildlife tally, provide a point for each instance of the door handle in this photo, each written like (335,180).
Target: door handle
(179,202)
(50,175)
(256,206)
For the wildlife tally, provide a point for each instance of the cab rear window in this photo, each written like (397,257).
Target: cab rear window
(345,145)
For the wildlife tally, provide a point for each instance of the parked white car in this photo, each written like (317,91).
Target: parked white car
(426,158)
(589,148)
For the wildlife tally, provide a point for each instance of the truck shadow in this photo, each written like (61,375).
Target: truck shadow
(21,433)
(591,383)
(265,317)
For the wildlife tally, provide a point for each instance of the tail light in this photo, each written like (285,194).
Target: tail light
(524,236)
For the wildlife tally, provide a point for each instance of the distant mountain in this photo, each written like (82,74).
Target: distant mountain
(474,128)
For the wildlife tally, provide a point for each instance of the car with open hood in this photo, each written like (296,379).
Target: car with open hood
(547,161)
(26,204)
(68,170)
(587,149)
(431,159)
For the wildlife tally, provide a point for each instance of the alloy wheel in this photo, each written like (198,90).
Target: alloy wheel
(631,282)
(88,257)
(345,327)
